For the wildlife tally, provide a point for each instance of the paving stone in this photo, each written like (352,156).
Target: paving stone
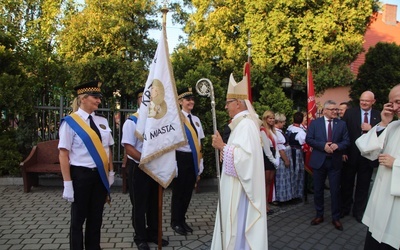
(40,220)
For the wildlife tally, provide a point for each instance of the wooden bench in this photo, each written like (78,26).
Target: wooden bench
(42,159)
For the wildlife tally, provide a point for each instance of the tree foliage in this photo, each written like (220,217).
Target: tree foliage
(283,34)
(379,73)
(29,70)
(108,41)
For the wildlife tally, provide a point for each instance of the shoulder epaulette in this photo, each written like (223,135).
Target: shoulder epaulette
(99,114)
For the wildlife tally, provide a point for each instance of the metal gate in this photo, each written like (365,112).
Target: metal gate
(48,122)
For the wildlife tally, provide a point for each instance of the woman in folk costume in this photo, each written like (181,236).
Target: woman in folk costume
(271,154)
(297,138)
(241,220)
(86,165)
(283,186)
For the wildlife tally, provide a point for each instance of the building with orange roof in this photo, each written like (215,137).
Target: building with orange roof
(384,28)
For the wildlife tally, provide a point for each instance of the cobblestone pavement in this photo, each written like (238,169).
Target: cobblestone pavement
(40,220)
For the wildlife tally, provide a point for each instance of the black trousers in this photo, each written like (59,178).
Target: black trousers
(89,198)
(362,170)
(182,187)
(372,244)
(143,191)
(130,167)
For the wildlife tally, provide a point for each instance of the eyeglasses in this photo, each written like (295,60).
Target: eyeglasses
(229,101)
(332,109)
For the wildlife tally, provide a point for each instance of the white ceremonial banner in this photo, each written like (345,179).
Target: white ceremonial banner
(160,123)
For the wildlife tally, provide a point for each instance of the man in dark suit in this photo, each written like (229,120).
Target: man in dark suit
(329,138)
(359,120)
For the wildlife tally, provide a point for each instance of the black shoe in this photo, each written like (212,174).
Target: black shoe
(187,228)
(142,246)
(179,229)
(164,243)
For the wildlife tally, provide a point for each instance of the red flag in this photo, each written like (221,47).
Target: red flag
(311,114)
(247,73)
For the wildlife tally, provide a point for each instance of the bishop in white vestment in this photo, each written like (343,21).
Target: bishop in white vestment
(242,223)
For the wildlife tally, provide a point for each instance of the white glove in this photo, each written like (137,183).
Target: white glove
(111,177)
(68,193)
(277,161)
(201,167)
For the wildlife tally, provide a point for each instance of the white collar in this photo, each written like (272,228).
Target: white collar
(185,113)
(84,114)
(241,113)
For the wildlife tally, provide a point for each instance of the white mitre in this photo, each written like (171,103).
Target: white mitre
(239,90)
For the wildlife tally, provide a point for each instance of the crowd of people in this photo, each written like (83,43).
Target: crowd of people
(347,144)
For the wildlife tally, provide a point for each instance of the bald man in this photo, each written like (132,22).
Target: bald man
(359,121)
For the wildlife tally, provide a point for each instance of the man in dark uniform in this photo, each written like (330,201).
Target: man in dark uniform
(143,190)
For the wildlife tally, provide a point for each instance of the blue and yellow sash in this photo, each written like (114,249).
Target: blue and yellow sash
(194,145)
(134,117)
(93,144)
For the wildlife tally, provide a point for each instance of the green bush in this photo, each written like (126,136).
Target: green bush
(10,156)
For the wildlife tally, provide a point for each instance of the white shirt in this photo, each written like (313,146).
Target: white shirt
(128,136)
(70,140)
(280,139)
(199,128)
(327,124)
(300,136)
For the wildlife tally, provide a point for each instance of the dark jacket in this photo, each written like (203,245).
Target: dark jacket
(317,138)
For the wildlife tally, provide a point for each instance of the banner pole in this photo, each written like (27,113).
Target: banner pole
(204,87)
(160,211)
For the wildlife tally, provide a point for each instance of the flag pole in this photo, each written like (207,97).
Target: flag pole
(311,115)
(305,153)
(164,11)
(247,68)
(204,87)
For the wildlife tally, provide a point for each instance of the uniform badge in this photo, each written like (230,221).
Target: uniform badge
(197,124)
(102,126)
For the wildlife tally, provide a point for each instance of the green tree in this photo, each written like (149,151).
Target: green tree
(108,41)
(13,94)
(379,73)
(188,70)
(29,72)
(283,34)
